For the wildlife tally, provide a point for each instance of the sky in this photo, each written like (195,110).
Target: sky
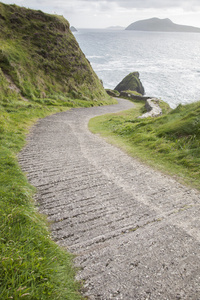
(106,13)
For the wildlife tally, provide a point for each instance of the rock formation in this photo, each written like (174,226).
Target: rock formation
(153,108)
(131,82)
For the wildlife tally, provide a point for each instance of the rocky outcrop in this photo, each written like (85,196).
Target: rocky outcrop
(73,29)
(131,82)
(156,24)
(153,108)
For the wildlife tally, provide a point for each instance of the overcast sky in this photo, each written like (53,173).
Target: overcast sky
(105,13)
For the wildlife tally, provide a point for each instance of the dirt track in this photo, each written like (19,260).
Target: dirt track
(136,232)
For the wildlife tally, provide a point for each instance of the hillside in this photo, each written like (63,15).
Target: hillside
(156,24)
(39,54)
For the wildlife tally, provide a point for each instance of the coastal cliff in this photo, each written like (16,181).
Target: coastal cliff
(40,58)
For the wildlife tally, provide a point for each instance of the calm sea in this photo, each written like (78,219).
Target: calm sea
(168,63)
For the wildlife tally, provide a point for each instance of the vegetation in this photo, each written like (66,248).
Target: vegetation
(170,142)
(31,265)
(43,58)
(42,71)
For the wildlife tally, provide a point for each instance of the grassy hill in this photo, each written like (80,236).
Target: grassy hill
(39,54)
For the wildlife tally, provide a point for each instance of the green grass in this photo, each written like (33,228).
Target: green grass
(32,266)
(41,55)
(170,143)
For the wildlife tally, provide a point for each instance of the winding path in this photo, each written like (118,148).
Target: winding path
(134,230)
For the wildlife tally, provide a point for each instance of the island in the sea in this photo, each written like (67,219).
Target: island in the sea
(73,29)
(156,24)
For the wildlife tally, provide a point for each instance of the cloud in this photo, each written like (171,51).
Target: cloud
(149,3)
(106,5)
(102,13)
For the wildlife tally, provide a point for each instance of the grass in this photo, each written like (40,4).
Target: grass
(32,266)
(43,58)
(170,143)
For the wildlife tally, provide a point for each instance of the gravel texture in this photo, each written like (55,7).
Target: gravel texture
(134,230)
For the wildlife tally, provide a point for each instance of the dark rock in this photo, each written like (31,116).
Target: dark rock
(131,82)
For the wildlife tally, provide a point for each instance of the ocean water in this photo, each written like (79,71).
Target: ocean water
(168,63)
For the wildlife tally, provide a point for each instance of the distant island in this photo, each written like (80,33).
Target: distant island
(73,29)
(165,25)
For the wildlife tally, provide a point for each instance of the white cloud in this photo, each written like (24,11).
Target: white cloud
(103,13)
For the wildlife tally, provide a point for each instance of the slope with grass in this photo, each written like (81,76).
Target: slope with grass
(170,142)
(40,55)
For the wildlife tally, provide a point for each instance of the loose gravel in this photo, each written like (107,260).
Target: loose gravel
(135,231)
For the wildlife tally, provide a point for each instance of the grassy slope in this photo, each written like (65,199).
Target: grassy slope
(40,54)
(170,142)
(42,71)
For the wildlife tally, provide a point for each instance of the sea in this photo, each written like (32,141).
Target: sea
(168,63)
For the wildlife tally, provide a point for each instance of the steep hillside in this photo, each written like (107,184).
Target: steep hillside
(156,24)
(39,54)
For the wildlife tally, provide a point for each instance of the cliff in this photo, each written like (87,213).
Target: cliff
(156,24)
(40,58)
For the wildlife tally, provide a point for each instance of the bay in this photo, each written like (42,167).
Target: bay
(168,63)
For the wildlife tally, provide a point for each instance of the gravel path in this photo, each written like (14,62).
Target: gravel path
(135,231)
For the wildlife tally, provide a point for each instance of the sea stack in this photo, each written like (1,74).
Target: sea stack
(131,82)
